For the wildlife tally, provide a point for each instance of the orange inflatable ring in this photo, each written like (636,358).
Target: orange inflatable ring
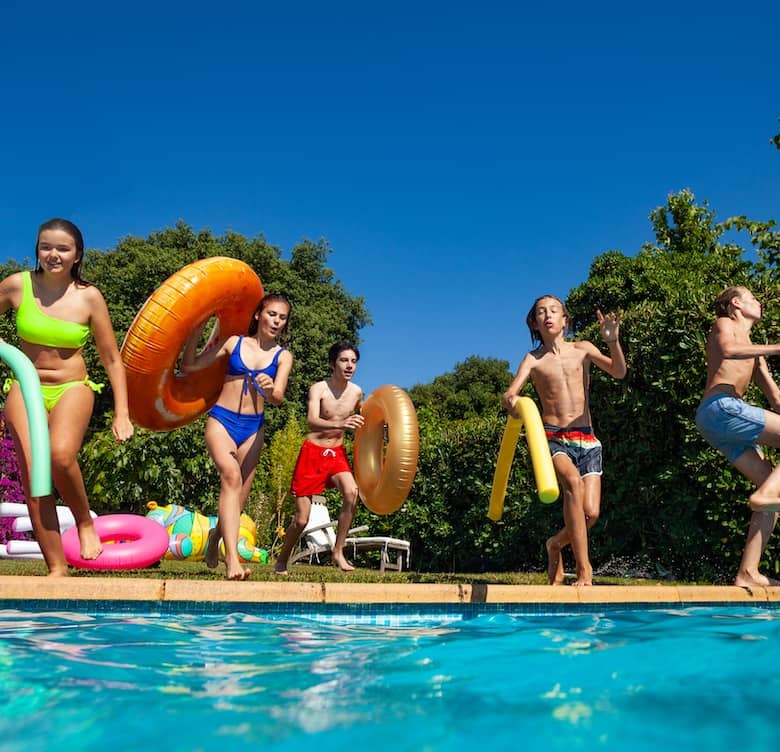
(159,398)
(385,477)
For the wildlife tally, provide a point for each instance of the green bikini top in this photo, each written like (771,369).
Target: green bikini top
(35,327)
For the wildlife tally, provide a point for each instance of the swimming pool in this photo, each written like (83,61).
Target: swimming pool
(376,678)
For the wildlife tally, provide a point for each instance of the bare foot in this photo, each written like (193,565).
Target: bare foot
(342,564)
(744,579)
(237,572)
(584,578)
(211,557)
(554,562)
(58,572)
(89,542)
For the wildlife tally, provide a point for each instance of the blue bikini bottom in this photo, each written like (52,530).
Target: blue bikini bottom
(240,426)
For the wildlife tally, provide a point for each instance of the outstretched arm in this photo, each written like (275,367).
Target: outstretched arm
(724,339)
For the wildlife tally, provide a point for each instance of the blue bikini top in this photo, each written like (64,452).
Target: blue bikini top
(237,367)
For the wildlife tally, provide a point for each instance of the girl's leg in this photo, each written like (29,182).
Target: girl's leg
(224,452)
(247,456)
(68,422)
(43,515)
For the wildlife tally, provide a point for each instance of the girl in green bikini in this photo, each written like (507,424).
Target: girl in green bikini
(56,311)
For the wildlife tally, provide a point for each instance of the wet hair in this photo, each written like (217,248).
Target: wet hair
(530,319)
(63,224)
(723,301)
(339,348)
(273,297)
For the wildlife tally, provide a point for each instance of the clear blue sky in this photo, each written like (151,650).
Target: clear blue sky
(460,158)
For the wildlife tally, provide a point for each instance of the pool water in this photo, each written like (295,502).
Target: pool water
(638,679)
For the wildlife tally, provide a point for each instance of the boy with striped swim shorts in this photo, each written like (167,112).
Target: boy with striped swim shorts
(560,372)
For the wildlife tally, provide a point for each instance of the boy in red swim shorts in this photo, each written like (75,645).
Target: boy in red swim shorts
(333,408)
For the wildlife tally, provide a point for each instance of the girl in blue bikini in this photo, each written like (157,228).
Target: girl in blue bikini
(258,370)
(56,313)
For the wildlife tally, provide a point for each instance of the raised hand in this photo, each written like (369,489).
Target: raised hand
(609,326)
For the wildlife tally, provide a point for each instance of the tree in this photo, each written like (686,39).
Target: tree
(472,389)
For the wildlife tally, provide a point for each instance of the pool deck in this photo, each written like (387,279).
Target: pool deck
(204,591)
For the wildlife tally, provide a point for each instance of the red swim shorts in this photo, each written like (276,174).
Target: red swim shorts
(316,467)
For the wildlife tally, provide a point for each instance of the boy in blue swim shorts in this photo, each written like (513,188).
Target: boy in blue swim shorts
(736,428)
(560,371)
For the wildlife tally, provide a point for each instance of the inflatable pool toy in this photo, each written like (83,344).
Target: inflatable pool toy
(188,533)
(25,548)
(539,449)
(384,478)
(15,549)
(37,420)
(23,524)
(130,541)
(159,398)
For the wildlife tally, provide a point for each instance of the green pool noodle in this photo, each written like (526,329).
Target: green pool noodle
(27,376)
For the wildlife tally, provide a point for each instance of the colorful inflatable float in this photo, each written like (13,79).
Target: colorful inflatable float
(188,533)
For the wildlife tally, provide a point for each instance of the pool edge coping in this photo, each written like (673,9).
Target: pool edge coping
(32,588)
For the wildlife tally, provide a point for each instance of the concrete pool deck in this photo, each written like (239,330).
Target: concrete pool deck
(220,591)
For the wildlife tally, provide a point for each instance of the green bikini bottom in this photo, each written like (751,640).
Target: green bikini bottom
(52,393)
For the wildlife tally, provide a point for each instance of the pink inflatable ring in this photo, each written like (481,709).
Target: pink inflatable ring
(130,541)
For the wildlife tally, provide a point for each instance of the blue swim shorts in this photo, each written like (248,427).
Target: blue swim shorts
(579,444)
(730,424)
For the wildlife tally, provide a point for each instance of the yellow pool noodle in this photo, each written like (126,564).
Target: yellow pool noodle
(539,449)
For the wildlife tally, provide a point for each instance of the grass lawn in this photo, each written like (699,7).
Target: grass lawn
(197,570)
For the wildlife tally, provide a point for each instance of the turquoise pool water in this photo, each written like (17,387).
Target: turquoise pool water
(390,679)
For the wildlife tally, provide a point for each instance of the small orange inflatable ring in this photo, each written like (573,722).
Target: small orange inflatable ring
(385,477)
(159,398)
